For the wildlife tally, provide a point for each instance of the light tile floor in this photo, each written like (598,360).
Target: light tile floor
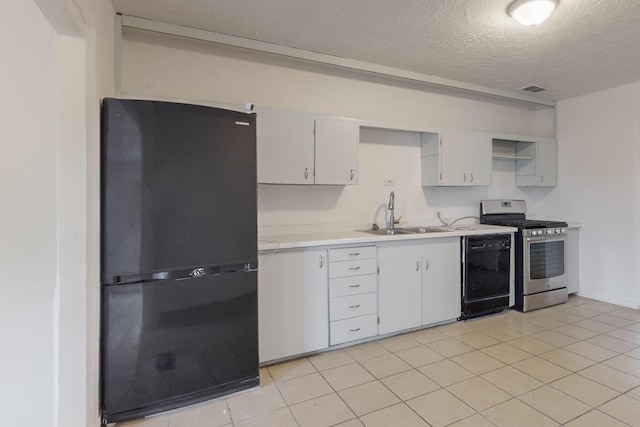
(576,364)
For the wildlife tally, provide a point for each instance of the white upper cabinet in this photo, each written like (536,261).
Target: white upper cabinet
(295,148)
(547,164)
(456,158)
(285,147)
(536,163)
(336,152)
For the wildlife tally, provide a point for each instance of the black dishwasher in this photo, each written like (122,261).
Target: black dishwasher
(485,274)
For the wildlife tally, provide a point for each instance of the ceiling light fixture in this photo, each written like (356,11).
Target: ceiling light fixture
(531,12)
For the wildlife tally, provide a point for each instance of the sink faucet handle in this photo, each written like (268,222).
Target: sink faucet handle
(397,220)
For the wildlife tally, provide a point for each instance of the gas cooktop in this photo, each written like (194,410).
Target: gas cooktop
(525,223)
(512,213)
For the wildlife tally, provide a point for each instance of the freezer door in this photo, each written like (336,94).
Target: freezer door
(178,187)
(171,343)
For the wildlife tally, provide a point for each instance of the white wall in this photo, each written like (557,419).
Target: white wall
(49,133)
(599,187)
(28,230)
(165,66)
(100,83)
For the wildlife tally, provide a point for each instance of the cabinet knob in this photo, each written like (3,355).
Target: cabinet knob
(471,176)
(353,307)
(306,173)
(354,254)
(354,268)
(541,179)
(417,265)
(354,286)
(464,177)
(426,264)
(321,261)
(354,330)
(351,174)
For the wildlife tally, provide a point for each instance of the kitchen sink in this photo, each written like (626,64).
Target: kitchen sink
(406,230)
(421,230)
(386,232)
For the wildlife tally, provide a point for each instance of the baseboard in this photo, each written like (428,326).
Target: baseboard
(598,296)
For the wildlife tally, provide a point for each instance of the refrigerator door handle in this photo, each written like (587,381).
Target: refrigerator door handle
(182,274)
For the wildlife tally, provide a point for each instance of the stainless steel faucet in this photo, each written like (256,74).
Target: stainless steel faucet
(392,219)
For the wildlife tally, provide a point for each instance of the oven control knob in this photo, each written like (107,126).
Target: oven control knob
(558,231)
(549,231)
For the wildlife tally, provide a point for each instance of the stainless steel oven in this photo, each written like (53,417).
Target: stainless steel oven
(541,251)
(544,278)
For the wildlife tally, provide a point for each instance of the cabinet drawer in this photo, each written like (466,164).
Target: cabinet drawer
(353,306)
(352,268)
(354,329)
(350,254)
(345,286)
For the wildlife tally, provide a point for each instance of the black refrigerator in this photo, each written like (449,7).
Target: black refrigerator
(179,313)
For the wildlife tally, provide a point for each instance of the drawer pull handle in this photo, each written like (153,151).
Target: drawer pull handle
(354,268)
(354,254)
(353,307)
(354,330)
(354,286)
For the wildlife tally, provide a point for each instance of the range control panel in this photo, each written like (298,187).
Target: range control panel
(544,232)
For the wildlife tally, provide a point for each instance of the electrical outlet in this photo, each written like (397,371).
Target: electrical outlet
(389,181)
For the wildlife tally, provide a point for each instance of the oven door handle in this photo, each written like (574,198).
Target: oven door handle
(544,239)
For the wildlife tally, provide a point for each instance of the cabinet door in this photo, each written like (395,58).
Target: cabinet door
(547,164)
(573,265)
(293,303)
(453,158)
(399,289)
(479,160)
(441,285)
(336,152)
(466,158)
(285,147)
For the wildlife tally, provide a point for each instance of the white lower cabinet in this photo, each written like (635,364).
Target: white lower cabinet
(441,281)
(354,329)
(293,306)
(399,286)
(353,302)
(312,298)
(573,264)
(418,284)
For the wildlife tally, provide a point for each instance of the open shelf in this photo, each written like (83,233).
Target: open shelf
(512,157)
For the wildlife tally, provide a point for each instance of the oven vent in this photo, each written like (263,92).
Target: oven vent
(533,89)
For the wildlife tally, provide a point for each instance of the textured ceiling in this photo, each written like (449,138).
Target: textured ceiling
(586,45)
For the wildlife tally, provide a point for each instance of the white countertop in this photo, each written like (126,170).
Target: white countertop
(269,243)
